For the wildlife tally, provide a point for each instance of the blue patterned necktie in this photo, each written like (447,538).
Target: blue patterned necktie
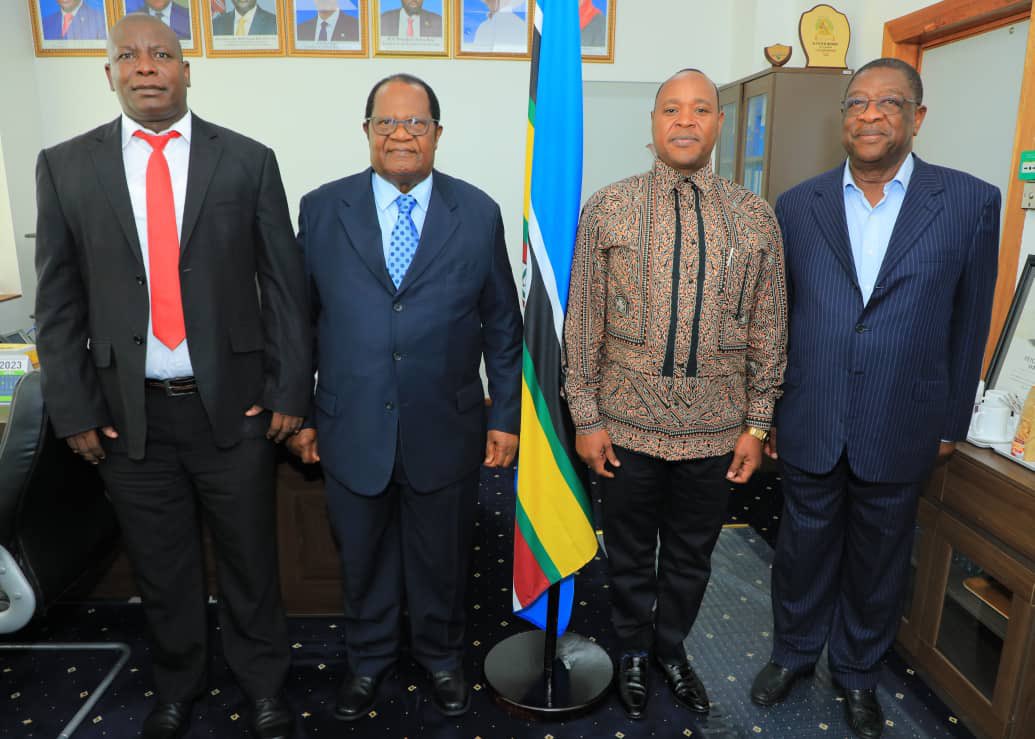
(403,242)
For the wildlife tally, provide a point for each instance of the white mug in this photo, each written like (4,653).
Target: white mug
(992,423)
(996,399)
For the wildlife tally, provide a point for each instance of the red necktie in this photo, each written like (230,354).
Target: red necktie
(66,21)
(409,26)
(163,245)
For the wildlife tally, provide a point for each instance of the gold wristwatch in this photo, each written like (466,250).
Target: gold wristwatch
(760,434)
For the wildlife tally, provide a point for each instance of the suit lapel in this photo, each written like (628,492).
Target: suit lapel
(828,209)
(919,207)
(358,216)
(439,225)
(205,151)
(107,159)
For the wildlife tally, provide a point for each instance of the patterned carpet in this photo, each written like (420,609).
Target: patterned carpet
(39,692)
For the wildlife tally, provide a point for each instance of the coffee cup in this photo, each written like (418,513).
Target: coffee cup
(992,423)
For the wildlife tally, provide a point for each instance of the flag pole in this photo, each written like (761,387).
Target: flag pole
(550,647)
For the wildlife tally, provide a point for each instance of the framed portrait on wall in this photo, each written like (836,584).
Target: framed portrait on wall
(411,27)
(180,15)
(326,27)
(1012,367)
(70,27)
(243,27)
(493,29)
(597,24)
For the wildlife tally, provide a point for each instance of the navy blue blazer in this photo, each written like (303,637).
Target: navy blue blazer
(402,365)
(87,25)
(179,17)
(889,380)
(263,24)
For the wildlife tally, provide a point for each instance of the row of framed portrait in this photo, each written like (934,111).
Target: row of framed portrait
(479,29)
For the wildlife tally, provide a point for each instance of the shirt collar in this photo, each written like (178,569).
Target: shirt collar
(331,20)
(385,193)
(249,14)
(129,127)
(667,178)
(74,10)
(902,176)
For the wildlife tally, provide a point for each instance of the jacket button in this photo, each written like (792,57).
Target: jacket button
(389,406)
(140,280)
(861,329)
(138,339)
(396,356)
(397,307)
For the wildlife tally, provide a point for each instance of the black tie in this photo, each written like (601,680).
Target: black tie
(323,31)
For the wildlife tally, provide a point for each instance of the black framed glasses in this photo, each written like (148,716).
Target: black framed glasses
(889,105)
(413,126)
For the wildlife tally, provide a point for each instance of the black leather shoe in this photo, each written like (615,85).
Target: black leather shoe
(356,697)
(685,685)
(451,694)
(167,721)
(863,713)
(632,683)
(271,719)
(773,684)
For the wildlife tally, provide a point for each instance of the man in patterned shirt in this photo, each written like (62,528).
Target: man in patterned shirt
(675,344)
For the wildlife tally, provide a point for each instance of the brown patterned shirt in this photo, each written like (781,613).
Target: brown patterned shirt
(673,362)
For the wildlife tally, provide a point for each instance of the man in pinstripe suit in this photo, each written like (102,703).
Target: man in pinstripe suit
(891,266)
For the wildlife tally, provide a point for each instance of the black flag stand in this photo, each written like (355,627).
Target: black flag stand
(536,674)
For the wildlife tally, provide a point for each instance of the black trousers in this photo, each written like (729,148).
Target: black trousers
(404,546)
(160,502)
(682,503)
(840,570)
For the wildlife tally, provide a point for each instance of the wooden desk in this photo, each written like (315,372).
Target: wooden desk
(974,562)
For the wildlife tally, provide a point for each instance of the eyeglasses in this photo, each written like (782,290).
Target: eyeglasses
(412,126)
(889,105)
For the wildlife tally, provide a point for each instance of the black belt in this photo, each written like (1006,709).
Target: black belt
(175,386)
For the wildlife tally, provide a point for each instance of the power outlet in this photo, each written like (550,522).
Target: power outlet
(1028,196)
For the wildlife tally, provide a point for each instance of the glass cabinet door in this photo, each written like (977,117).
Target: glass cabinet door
(726,154)
(754,142)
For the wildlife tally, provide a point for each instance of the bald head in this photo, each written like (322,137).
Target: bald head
(130,25)
(682,73)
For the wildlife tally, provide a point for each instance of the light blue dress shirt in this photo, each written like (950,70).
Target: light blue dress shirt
(870,227)
(385,194)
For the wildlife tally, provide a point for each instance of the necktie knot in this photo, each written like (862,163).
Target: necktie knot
(158,141)
(406,204)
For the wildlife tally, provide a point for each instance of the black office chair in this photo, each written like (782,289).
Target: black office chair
(57,528)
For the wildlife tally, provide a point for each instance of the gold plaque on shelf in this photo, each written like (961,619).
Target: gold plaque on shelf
(825,35)
(778,54)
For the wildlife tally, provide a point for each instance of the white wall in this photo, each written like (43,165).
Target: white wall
(310,110)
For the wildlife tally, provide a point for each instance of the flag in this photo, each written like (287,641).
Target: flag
(218,6)
(553,530)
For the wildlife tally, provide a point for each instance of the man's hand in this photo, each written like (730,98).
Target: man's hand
(945,450)
(595,450)
(770,445)
(500,448)
(88,444)
(747,457)
(303,444)
(281,425)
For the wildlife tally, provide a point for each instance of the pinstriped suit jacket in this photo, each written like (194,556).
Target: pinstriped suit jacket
(885,381)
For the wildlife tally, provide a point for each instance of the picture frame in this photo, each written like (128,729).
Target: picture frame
(260,32)
(84,33)
(597,23)
(1012,367)
(180,15)
(493,29)
(346,27)
(430,28)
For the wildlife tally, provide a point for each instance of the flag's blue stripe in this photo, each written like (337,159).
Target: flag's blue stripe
(535,614)
(557,157)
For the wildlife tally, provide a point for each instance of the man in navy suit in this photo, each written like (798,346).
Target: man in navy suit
(246,19)
(76,20)
(171,14)
(329,24)
(411,286)
(411,21)
(891,266)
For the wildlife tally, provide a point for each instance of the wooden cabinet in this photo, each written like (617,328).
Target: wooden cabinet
(782,126)
(969,624)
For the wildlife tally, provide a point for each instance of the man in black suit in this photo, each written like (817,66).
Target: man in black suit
(330,24)
(411,286)
(411,21)
(175,345)
(246,19)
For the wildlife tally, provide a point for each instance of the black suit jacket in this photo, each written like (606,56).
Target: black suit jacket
(241,278)
(346,29)
(430,24)
(263,24)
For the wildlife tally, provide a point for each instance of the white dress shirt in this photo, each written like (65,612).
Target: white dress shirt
(385,195)
(162,362)
(404,19)
(248,18)
(331,22)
